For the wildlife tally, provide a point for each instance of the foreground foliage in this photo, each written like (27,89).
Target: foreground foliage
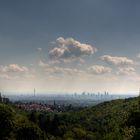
(114,120)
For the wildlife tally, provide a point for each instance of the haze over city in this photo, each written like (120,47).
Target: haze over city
(70,46)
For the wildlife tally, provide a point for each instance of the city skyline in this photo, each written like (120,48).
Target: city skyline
(70,46)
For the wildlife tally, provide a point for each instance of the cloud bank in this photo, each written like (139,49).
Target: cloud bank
(49,69)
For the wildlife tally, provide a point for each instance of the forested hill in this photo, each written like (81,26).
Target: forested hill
(114,120)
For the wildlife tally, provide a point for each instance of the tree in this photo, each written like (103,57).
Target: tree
(32,117)
(29,131)
(6,121)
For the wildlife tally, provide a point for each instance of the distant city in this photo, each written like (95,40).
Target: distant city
(76,99)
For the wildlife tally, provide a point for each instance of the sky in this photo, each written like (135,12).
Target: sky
(70,46)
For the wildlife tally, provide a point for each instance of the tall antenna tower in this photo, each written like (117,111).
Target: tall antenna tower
(34,92)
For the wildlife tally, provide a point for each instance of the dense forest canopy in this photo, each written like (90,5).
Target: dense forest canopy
(114,120)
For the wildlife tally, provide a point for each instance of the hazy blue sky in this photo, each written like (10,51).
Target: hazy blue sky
(70,45)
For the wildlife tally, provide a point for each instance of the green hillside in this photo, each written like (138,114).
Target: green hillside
(114,120)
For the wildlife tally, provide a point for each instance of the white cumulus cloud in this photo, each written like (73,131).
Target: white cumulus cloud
(118,61)
(99,69)
(138,56)
(39,49)
(70,48)
(126,71)
(13,68)
(14,71)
